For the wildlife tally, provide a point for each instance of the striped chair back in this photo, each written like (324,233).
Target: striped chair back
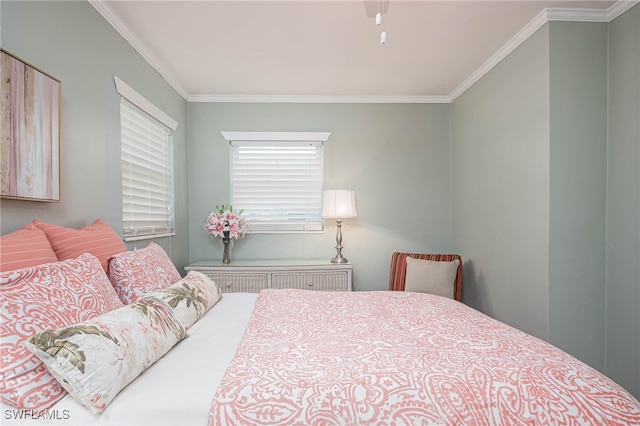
(398,271)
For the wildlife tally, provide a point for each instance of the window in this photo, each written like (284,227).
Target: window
(276,178)
(147,172)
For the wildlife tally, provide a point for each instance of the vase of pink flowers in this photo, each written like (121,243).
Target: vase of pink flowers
(228,225)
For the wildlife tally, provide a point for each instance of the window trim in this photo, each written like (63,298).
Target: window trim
(144,104)
(276,136)
(136,100)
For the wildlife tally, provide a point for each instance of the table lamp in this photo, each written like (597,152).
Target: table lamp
(341,204)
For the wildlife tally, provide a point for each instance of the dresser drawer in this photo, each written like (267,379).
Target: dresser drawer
(323,281)
(240,283)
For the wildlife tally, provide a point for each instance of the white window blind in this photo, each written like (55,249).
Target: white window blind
(278,184)
(147,175)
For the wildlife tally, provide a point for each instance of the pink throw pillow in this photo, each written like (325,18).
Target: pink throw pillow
(99,239)
(136,272)
(39,298)
(25,247)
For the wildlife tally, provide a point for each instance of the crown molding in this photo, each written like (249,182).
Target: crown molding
(526,32)
(562,14)
(547,15)
(113,19)
(620,7)
(320,99)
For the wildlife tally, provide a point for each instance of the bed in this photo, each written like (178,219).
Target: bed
(135,344)
(403,358)
(308,357)
(177,389)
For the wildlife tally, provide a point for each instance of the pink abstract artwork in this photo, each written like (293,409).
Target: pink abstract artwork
(29,132)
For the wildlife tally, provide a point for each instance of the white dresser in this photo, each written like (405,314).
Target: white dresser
(251,276)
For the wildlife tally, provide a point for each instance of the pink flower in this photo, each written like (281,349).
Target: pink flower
(236,230)
(223,219)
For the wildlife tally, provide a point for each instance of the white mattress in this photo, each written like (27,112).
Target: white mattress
(176,390)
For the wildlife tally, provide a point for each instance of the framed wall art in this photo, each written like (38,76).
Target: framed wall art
(29,131)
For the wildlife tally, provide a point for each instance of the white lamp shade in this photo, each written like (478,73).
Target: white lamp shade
(339,203)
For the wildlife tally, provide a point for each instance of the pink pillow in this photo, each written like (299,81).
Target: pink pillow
(99,239)
(39,298)
(25,247)
(136,272)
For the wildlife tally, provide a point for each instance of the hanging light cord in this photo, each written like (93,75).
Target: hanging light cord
(383,34)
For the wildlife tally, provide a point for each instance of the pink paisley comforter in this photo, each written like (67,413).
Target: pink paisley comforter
(365,358)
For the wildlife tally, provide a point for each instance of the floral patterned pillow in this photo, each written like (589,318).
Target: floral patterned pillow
(190,298)
(136,272)
(95,359)
(38,298)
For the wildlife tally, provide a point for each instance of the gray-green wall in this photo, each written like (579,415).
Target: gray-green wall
(72,42)
(500,188)
(546,191)
(623,203)
(577,140)
(395,156)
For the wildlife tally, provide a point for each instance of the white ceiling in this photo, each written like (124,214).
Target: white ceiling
(330,50)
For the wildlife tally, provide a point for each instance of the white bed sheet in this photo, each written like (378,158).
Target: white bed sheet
(177,389)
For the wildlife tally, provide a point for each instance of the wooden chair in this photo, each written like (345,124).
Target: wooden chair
(399,270)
